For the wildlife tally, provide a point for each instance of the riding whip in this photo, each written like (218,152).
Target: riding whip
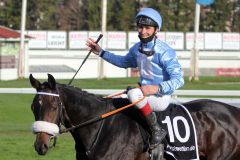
(99,37)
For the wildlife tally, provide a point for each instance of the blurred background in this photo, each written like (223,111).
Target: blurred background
(48,36)
(55,32)
(178,15)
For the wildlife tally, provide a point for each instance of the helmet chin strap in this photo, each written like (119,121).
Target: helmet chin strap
(147,52)
(148,39)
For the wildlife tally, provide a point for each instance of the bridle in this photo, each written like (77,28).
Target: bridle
(102,117)
(62,110)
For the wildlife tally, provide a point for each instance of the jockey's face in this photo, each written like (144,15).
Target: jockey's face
(146,31)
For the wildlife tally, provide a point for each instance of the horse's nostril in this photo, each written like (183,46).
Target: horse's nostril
(41,148)
(45,146)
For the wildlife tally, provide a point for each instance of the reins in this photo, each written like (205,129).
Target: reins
(103,116)
(95,119)
(98,118)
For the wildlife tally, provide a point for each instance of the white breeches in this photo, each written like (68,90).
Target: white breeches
(156,103)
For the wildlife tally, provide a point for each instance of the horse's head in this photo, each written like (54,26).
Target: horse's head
(45,107)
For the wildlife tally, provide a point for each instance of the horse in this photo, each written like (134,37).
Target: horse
(119,137)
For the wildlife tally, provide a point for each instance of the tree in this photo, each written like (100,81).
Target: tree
(42,14)
(235,23)
(215,16)
(94,15)
(121,15)
(10,14)
(72,15)
(177,15)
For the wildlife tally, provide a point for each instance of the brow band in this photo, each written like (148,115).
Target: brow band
(49,94)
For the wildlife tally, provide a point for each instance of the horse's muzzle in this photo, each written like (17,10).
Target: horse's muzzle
(41,148)
(42,143)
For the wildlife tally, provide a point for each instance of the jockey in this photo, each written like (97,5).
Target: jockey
(159,69)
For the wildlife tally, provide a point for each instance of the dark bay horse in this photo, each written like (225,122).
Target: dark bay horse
(118,137)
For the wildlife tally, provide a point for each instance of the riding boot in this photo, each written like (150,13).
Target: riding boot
(157,132)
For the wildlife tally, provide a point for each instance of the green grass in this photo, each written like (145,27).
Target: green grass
(16,138)
(205,83)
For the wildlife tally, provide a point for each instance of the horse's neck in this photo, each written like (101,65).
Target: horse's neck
(112,132)
(80,107)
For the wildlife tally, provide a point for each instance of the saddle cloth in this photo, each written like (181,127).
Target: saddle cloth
(181,140)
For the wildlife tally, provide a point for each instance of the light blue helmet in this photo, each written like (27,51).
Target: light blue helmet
(149,16)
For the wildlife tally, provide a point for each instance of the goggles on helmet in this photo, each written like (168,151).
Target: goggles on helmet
(143,20)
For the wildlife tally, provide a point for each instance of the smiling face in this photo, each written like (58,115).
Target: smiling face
(146,31)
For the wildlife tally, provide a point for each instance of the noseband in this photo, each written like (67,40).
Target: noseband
(47,127)
(54,129)
(98,118)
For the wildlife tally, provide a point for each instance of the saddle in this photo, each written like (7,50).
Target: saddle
(181,140)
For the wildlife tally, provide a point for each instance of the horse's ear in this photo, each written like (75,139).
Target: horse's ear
(51,81)
(35,83)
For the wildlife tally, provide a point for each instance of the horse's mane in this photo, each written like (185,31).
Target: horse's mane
(112,103)
(80,92)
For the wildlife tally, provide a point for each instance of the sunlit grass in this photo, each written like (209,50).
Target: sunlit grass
(16,138)
(204,83)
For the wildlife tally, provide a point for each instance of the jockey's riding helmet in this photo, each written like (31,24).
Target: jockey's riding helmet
(149,17)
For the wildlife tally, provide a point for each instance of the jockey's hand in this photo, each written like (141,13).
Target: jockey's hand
(149,89)
(129,88)
(93,46)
